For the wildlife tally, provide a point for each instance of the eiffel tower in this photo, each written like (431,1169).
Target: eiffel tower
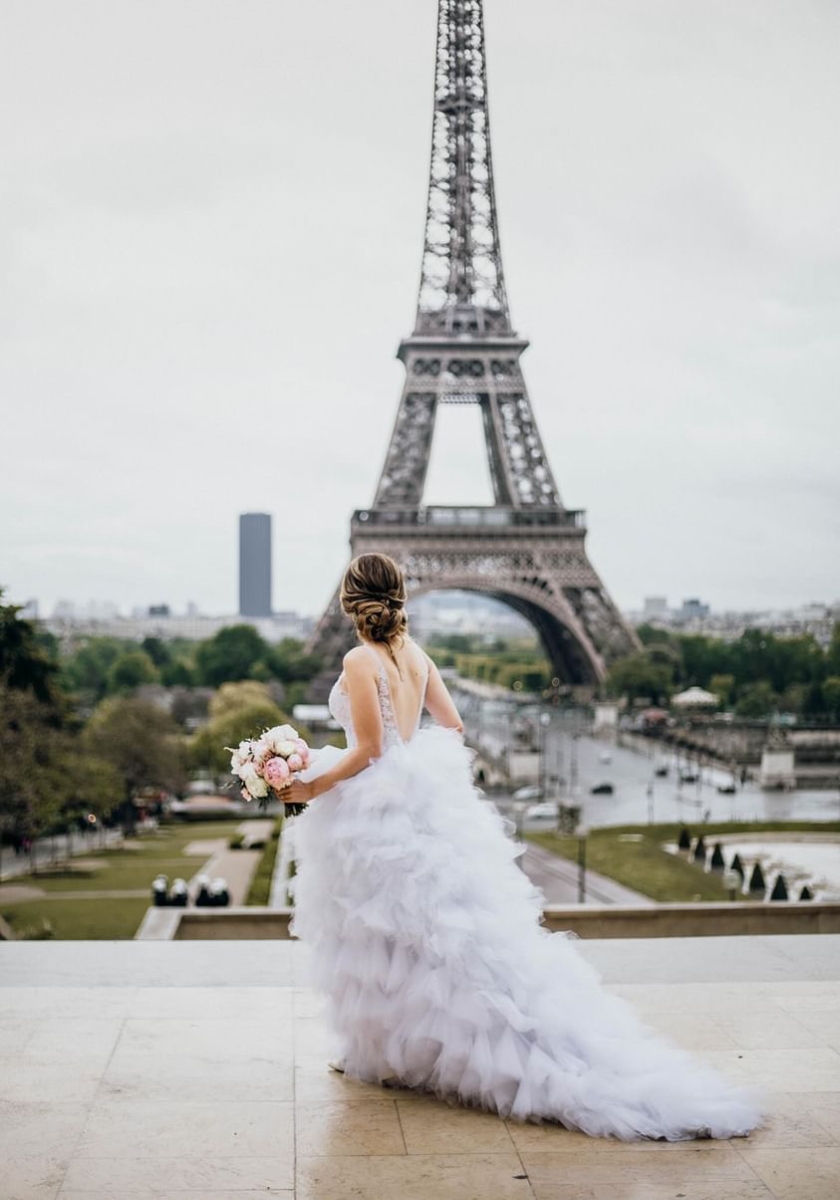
(526,548)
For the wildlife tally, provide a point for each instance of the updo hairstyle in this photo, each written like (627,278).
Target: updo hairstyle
(373,593)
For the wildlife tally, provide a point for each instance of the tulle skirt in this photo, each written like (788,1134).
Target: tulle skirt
(425,938)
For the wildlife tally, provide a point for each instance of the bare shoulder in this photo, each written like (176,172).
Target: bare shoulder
(357,661)
(423,656)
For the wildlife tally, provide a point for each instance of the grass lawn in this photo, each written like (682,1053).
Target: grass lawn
(75,919)
(647,868)
(135,867)
(118,870)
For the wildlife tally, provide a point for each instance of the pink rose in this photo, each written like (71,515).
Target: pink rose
(245,794)
(276,772)
(301,747)
(295,761)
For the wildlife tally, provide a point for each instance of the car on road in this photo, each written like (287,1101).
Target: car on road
(602,789)
(547,811)
(531,791)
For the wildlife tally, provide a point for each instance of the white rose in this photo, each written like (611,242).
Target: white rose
(284,748)
(281,733)
(240,756)
(262,747)
(257,787)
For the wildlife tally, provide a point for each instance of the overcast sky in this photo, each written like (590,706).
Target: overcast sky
(211,218)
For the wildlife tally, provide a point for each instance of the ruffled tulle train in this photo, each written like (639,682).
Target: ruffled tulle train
(425,937)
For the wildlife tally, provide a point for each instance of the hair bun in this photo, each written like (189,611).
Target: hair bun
(376,617)
(373,593)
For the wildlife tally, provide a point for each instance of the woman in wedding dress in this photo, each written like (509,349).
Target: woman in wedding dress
(425,935)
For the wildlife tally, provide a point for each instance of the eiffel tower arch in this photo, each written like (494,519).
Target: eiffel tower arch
(526,548)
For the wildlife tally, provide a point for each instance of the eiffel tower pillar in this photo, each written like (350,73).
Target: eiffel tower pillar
(525,549)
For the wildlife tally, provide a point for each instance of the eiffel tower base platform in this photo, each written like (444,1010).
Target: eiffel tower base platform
(532,560)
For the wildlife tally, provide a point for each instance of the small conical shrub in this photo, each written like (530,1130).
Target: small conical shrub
(806,893)
(718,862)
(700,850)
(737,865)
(684,842)
(757,883)
(780,891)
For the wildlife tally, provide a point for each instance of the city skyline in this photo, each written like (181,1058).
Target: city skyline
(163,296)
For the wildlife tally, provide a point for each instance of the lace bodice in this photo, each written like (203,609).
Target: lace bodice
(339,706)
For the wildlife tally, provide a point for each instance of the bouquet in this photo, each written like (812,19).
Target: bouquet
(266,764)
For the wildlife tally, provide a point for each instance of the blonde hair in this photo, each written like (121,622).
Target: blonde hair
(373,593)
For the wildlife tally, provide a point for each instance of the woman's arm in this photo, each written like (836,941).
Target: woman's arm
(438,701)
(362,688)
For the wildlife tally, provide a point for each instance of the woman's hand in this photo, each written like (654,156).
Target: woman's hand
(297,792)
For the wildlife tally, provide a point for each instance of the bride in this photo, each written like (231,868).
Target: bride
(425,935)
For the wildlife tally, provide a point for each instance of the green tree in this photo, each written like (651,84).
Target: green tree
(177,673)
(831,695)
(232,697)
(794,699)
(89,784)
(30,799)
(757,700)
(460,643)
(650,634)
(832,658)
(723,686)
(85,670)
(130,670)
(25,663)
(702,657)
(141,742)
(229,655)
(289,662)
(157,650)
(207,748)
(636,677)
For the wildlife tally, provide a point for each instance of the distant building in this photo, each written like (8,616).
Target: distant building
(655,606)
(159,610)
(193,627)
(816,618)
(693,608)
(255,565)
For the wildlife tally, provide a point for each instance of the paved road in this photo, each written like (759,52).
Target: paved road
(236,867)
(557,878)
(639,796)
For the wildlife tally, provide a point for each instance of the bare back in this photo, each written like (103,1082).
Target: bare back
(413,683)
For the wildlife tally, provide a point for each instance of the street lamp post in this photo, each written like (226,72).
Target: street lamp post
(582,836)
(545,721)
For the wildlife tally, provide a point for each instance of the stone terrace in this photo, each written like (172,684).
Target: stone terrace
(182,1070)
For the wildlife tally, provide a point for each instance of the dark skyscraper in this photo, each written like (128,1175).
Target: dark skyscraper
(255,565)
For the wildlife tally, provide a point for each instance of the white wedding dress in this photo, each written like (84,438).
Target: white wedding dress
(425,937)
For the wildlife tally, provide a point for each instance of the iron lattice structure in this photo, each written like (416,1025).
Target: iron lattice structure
(526,548)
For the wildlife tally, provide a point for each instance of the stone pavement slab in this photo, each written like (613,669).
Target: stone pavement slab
(198,1069)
